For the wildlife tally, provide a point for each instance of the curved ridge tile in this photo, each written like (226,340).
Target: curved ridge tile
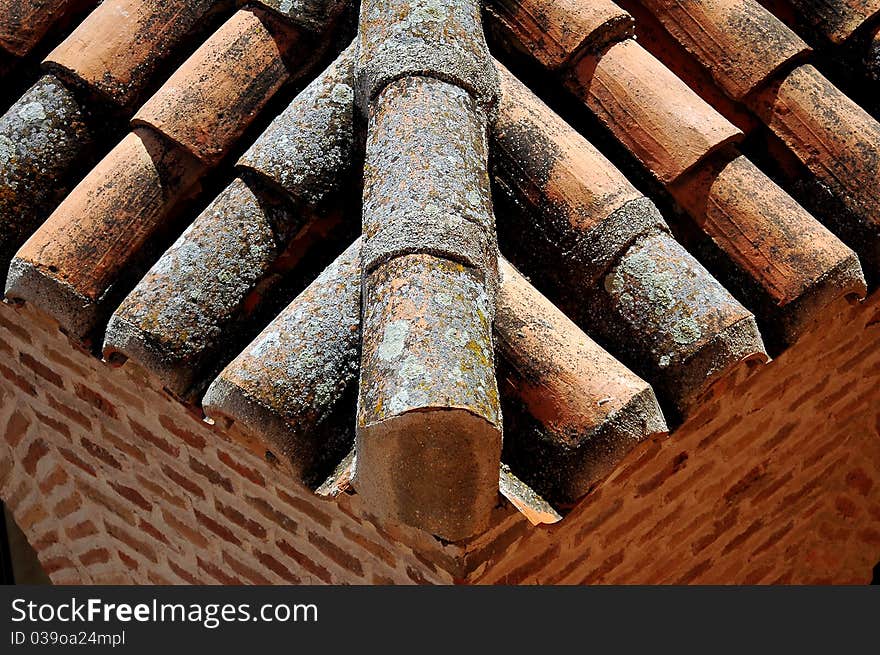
(429,420)
(294,387)
(207,104)
(667,126)
(429,424)
(584,409)
(738,41)
(555,31)
(45,137)
(442,40)
(24,23)
(180,314)
(70,265)
(291,392)
(839,143)
(799,265)
(118,48)
(423,190)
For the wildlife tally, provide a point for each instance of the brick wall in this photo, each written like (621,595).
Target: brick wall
(115,482)
(777,479)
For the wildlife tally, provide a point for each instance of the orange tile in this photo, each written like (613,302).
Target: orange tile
(738,41)
(24,23)
(119,46)
(659,42)
(551,163)
(555,31)
(667,126)
(834,138)
(566,379)
(837,20)
(770,238)
(94,235)
(578,393)
(212,98)
(429,423)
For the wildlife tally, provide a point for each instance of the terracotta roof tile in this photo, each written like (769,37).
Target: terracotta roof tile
(291,389)
(662,121)
(295,386)
(311,143)
(428,384)
(24,23)
(751,234)
(429,422)
(739,41)
(117,49)
(435,194)
(312,15)
(85,249)
(673,322)
(207,104)
(589,409)
(838,142)
(401,396)
(838,20)
(554,167)
(554,32)
(44,137)
(441,40)
(183,311)
(536,153)
(70,264)
(797,262)
(118,64)
(814,119)
(651,34)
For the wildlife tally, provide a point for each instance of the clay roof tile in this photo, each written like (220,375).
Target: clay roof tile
(294,387)
(838,142)
(796,261)
(80,253)
(667,126)
(394,373)
(46,136)
(537,152)
(207,104)
(837,20)
(118,48)
(589,410)
(740,42)
(24,23)
(555,32)
(187,307)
